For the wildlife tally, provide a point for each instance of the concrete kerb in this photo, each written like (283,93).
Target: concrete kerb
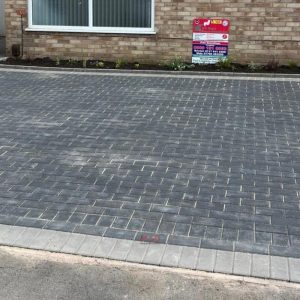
(217,261)
(157,73)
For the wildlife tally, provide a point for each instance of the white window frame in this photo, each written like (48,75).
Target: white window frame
(91,28)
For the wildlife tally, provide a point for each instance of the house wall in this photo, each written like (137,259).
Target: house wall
(2,17)
(260,30)
(2,27)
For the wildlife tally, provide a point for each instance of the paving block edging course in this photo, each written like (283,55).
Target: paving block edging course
(218,261)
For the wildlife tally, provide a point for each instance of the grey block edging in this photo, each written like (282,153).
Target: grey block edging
(226,262)
(155,73)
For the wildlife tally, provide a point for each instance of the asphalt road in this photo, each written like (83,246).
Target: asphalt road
(27,274)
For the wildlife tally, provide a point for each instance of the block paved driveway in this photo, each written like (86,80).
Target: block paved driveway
(210,163)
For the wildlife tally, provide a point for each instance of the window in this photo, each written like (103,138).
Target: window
(115,16)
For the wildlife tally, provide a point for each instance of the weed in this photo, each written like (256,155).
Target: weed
(100,64)
(120,63)
(57,61)
(253,67)
(292,64)
(177,64)
(225,63)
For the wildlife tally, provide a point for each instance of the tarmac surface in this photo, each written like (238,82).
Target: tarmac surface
(27,274)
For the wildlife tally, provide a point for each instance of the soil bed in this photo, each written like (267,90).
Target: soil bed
(96,64)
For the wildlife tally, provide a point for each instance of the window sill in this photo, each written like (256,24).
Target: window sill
(91,30)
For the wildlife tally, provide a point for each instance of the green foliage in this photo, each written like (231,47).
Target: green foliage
(225,64)
(177,64)
(254,67)
(120,63)
(84,63)
(57,61)
(136,65)
(292,64)
(100,64)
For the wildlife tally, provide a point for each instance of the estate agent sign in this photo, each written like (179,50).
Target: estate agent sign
(210,40)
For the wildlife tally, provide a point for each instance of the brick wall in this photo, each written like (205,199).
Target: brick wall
(260,31)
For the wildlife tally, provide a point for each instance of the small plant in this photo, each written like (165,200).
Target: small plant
(177,64)
(120,63)
(57,61)
(292,64)
(100,64)
(225,63)
(84,63)
(136,65)
(272,65)
(254,67)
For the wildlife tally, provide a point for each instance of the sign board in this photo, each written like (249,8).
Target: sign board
(21,12)
(210,40)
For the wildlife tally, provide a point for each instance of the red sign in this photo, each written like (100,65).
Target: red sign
(210,40)
(21,12)
(211,25)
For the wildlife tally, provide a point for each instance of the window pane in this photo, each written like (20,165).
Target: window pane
(60,12)
(122,13)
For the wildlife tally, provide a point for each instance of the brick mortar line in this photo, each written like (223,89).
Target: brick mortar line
(55,241)
(142,73)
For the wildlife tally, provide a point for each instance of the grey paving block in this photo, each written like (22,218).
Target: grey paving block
(90,229)
(260,266)
(142,170)
(12,235)
(206,260)
(294,267)
(89,245)
(42,239)
(31,222)
(56,242)
(120,234)
(224,262)
(105,247)
(4,232)
(217,244)
(26,238)
(73,243)
(137,252)
(279,268)
(189,258)
(120,250)
(242,263)
(154,254)
(251,248)
(60,226)
(183,241)
(292,251)
(171,256)
(8,219)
